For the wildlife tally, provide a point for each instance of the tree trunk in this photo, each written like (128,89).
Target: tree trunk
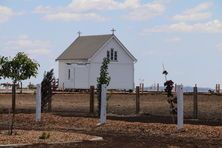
(13,107)
(50,104)
(20,87)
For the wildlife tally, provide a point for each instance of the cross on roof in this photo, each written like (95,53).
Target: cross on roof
(79,33)
(113,30)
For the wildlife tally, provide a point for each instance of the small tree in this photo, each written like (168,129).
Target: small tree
(46,90)
(169,84)
(19,68)
(104,78)
(2,62)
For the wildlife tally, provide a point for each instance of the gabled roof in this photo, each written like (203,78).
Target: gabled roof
(84,47)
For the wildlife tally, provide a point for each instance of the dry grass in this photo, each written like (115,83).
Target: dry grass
(209,106)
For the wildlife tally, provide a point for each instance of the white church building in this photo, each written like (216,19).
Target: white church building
(79,65)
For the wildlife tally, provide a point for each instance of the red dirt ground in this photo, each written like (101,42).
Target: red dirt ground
(119,133)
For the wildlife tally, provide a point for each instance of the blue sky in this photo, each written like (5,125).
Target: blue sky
(184,35)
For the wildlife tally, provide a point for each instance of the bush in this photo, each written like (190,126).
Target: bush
(44,136)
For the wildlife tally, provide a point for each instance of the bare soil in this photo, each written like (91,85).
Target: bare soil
(33,137)
(152,128)
(118,132)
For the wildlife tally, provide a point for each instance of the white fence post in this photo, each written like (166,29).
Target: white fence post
(103,104)
(38,103)
(179,93)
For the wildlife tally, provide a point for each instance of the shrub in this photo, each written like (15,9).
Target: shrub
(44,136)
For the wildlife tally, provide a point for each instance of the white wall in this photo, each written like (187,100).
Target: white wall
(121,71)
(62,73)
(121,75)
(123,58)
(79,75)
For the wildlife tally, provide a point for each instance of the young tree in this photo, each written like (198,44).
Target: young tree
(104,75)
(46,90)
(169,84)
(104,78)
(19,68)
(2,62)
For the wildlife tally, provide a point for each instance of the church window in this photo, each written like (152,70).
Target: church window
(115,55)
(111,54)
(108,54)
(69,74)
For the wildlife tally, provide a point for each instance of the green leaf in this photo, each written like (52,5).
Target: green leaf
(104,75)
(19,68)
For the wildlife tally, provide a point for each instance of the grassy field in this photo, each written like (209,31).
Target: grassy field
(209,106)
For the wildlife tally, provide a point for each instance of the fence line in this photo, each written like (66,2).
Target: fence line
(196,104)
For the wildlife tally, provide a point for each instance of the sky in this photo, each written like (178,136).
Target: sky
(185,36)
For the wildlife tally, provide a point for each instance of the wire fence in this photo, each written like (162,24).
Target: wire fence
(209,105)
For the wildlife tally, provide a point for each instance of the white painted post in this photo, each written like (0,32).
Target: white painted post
(103,104)
(38,103)
(179,93)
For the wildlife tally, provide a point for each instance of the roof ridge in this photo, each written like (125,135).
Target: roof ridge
(96,35)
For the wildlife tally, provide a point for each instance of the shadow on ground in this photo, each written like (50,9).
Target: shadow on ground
(144,118)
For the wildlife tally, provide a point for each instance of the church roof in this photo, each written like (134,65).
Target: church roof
(84,47)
